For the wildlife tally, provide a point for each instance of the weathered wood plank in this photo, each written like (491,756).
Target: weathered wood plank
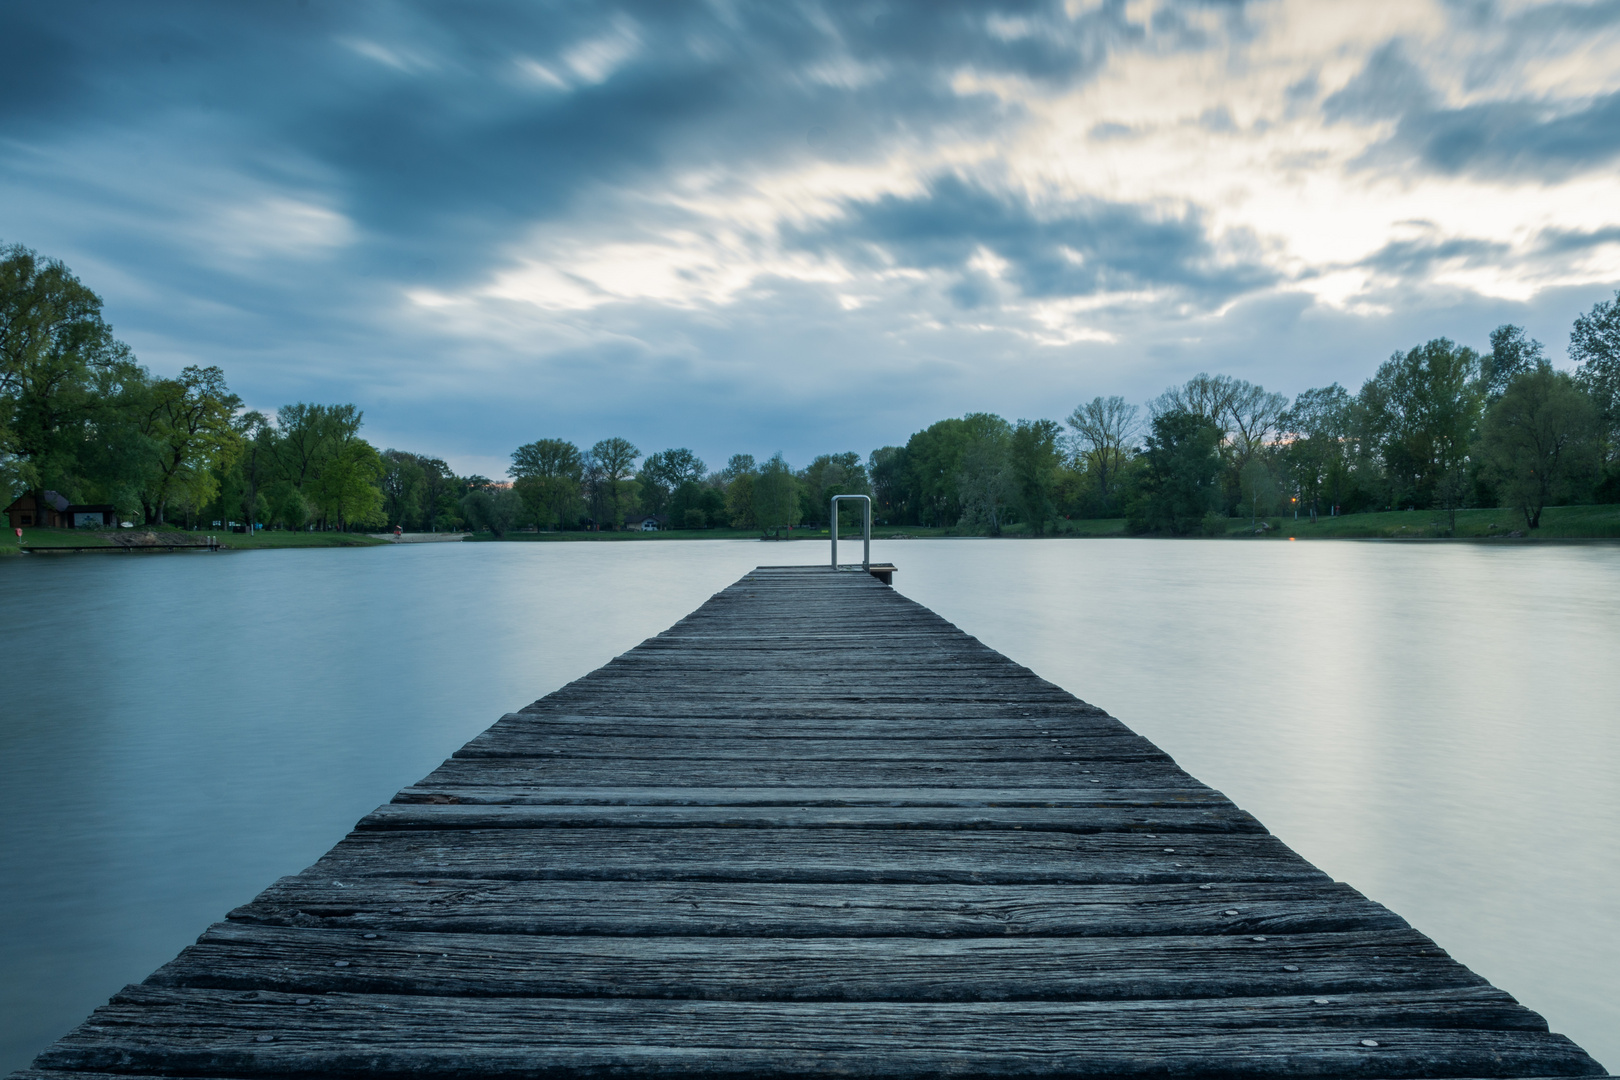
(206,1033)
(498,808)
(773,909)
(525,742)
(681,772)
(814,855)
(71,1074)
(302,960)
(777,684)
(774,723)
(879,714)
(1075,792)
(729,689)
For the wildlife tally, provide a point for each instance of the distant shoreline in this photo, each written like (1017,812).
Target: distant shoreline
(163,538)
(420,537)
(1600,522)
(1565,524)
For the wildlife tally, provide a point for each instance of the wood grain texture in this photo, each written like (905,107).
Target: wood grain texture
(532,741)
(499,809)
(237,956)
(968,857)
(810,830)
(775,909)
(258,1033)
(626,772)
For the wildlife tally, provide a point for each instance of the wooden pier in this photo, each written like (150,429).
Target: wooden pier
(811,830)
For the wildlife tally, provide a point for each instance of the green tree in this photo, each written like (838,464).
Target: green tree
(740,492)
(59,368)
(478,510)
(1182,478)
(934,463)
(347,490)
(829,475)
(494,508)
(438,494)
(307,434)
(1538,437)
(230,493)
(776,496)
(113,457)
(1594,345)
(1249,418)
(1208,396)
(189,422)
(315,439)
(1105,431)
(257,456)
(1512,353)
(740,502)
(403,484)
(1421,410)
(1036,462)
(610,467)
(1253,421)
(1316,432)
(288,507)
(318,453)
(547,475)
(738,465)
(697,506)
(1259,490)
(661,473)
(886,471)
(985,483)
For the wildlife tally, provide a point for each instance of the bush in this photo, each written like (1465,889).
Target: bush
(695,519)
(1215,523)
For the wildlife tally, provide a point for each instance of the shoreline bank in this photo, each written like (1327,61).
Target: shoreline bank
(1562,524)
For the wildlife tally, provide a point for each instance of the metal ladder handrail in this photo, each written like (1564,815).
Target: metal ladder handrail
(866,529)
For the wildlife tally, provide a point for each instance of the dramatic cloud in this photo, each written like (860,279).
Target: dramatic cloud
(1548,137)
(1081,248)
(807,226)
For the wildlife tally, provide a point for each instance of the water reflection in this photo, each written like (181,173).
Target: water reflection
(1435,725)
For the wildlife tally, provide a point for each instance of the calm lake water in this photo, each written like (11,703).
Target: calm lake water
(1438,725)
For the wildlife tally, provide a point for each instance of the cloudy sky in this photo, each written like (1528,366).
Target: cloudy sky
(805,226)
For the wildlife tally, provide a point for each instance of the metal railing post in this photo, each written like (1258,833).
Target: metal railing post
(832,514)
(866,539)
(866,528)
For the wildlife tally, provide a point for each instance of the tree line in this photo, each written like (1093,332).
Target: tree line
(80,416)
(1437,427)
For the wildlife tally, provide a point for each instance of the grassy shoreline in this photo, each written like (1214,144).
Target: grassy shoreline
(69,538)
(910,532)
(1557,523)
(1566,523)
(269,540)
